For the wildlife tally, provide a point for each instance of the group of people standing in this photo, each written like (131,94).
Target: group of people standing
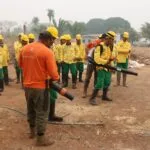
(106,52)
(40,62)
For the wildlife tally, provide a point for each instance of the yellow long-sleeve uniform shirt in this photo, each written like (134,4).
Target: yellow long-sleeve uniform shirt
(5,52)
(113,55)
(69,54)
(58,51)
(1,58)
(1,65)
(17,47)
(123,51)
(80,52)
(102,58)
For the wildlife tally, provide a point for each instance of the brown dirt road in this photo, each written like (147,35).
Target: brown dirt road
(126,120)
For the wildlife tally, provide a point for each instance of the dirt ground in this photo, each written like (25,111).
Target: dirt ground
(123,124)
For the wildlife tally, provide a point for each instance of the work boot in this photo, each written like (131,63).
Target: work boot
(65,80)
(18,81)
(85,89)
(32,133)
(118,78)
(74,81)
(52,116)
(18,77)
(74,86)
(43,141)
(124,80)
(6,79)
(92,100)
(84,94)
(80,77)
(62,78)
(104,96)
(1,85)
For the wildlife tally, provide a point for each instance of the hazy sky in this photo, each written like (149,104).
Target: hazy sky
(136,12)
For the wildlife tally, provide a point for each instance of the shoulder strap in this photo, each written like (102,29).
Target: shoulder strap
(93,53)
(101,49)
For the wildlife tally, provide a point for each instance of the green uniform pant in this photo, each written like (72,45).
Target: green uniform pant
(80,66)
(18,70)
(1,80)
(59,66)
(103,79)
(1,73)
(53,96)
(66,67)
(37,108)
(5,71)
(123,65)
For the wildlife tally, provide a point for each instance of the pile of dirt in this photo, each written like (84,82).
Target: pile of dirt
(135,64)
(141,55)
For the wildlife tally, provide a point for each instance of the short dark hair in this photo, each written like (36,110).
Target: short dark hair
(103,36)
(45,35)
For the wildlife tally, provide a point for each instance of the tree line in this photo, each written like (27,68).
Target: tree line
(93,26)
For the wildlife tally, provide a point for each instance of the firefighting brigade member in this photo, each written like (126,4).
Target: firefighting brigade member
(123,51)
(24,41)
(69,62)
(31,37)
(102,55)
(80,57)
(112,57)
(17,47)
(52,116)
(94,43)
(38,62)
(90,67)
(5,60)
(57,49)
(1,71)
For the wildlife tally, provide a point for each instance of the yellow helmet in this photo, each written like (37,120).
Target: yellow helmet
(31,36)
(67,37)
(126,35)
(24,38)
(53,31)
(62,37)
(111,34)
(1,37)
(100,35)
(78,37)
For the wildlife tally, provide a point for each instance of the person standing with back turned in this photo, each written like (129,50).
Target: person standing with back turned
(38,63)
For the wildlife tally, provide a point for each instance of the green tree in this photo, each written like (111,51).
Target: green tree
(50,14)
(77,28)
(145,29)
(35,20)
(62,25)
(36,27)
(134,36)
(39,28)
(116,24)
(95,26)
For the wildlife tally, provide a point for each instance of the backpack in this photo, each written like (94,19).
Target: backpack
(101,51)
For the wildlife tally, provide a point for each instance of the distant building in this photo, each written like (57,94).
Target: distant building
(89,37)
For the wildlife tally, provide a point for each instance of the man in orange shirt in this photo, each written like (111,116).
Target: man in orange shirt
(38,62)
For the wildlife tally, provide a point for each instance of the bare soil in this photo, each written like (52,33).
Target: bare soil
(123,124)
